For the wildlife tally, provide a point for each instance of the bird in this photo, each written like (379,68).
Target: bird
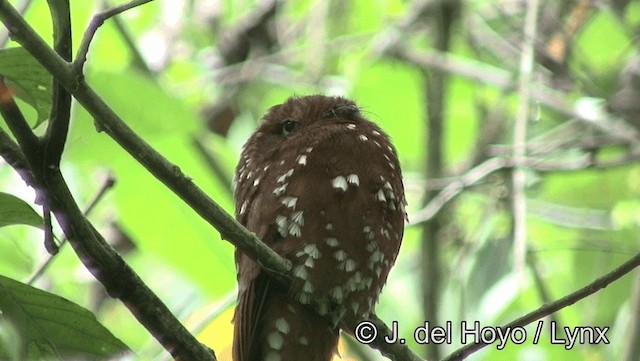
(322,186)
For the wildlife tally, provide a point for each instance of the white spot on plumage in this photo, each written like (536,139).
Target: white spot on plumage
(339,182)
(309,262)
(329,227)
(243,208)
(300,272)
(368,233)
(298,218)
(309,149)
(368,282)
(377,256)
(303,340)
(304,298)
(273,356)
(351,126)
(353,179)
(351,285)
(363,137)
(282,325)
(284,176)
(295,229)
(265,168)
(307,287)
(296,221)
(280,190)
(378,271)
(282,223)
(348,265)
(312,250)
(332,242)
(356,278)
(389,193)
(337,293)
(289,202)
(340,255)
(275,340)
(302,159)
(256,182)
(375,132)
(372,246)
(375,259)
(380,196)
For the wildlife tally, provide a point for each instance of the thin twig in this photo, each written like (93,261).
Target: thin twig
(107,185)
(452,186)
(519,199)
(471,177)
(555,306)
(96,22)
(22,7)
(137,60)
(504,79)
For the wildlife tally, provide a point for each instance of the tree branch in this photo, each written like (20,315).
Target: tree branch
(108,184)
(95,24)
(58,126)
(555,306)
(165,171)
(96,254)
(457,185)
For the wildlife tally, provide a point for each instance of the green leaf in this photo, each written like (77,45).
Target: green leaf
(14,210)
(29,80)
(51,327)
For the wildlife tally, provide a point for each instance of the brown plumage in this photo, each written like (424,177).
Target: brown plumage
(322,186)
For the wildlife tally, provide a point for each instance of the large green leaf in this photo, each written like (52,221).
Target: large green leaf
(28,79)
(53,328)
(14,210)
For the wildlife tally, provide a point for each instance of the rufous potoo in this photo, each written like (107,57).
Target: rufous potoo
(322,186)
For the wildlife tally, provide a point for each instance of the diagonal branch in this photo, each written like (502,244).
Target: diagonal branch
(96,254)
(555,306)
(96,22)
(165,171)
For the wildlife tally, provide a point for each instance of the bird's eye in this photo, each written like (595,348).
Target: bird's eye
(289,126)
